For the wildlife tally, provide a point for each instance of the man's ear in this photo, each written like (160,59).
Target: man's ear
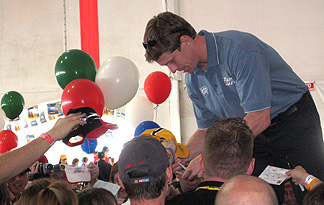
(169,173)
(186,40)
(121,183)
(251,167)
(201,163)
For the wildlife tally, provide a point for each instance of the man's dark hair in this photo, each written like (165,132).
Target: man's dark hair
(145,191)
(84,159)
(165,29)
(228,148)
(101,155)
(75,160)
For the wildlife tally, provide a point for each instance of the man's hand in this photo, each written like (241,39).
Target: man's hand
(193,170)
(298,175)
(34,168)
(63,126)
(188,185)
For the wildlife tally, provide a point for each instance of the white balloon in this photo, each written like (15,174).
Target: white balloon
(118,79)
(2,119)
(139,109)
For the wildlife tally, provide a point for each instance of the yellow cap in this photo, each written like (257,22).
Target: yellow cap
(63,156)
(164,134)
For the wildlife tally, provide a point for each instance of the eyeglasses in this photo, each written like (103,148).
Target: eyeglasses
(152,43)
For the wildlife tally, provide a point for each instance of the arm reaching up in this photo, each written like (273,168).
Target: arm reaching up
(16,161)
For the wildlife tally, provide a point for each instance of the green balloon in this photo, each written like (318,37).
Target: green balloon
(74,64)
(12,104)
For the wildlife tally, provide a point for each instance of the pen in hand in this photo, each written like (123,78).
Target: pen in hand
(291,166)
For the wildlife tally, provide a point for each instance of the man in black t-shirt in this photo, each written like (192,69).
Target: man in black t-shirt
(104,168)
(227,152)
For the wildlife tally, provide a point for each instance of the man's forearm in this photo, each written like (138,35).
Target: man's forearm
(14,162)
(196,144)
(258,121)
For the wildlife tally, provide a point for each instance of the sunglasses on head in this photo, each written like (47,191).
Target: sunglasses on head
(152,43)
(149,43)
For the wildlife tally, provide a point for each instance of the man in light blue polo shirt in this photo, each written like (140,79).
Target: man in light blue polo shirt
(232,74)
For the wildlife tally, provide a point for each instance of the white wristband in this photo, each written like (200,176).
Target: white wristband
(309,179)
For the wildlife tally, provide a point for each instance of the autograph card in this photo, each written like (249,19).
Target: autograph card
(274,175)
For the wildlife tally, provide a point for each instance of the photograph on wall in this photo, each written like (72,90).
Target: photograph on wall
(42,117)
(33,112)
(8,126)
(17,128)
(30,138)
(51,117)
(52,109)
(25,123)
(33,123)
(59,109)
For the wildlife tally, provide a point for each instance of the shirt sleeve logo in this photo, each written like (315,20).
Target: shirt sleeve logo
(204,90)
(228,81)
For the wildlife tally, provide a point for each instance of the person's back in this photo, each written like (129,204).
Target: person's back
(104,168)
(246,189)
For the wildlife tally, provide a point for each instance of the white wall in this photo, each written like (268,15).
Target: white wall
(31,40)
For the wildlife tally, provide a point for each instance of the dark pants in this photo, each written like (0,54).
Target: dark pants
(296,134)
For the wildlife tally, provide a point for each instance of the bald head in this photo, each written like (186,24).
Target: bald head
(246,189)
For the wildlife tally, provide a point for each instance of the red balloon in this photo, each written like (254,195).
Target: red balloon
(82,93)
(8,141)
(157,87)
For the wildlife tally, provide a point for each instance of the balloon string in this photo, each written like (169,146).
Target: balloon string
(156,112)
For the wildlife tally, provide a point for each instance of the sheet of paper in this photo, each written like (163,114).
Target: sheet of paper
(113,188)
(274,175)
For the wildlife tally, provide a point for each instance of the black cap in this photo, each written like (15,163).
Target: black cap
(142,153)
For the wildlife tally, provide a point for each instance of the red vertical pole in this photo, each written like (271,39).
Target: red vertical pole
(89,28)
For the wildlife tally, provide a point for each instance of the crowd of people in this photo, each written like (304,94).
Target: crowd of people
(251,109)
(145,173)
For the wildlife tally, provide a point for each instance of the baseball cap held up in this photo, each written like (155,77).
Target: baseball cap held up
(142,153)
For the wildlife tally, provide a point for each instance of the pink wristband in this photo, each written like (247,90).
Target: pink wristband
(48,138)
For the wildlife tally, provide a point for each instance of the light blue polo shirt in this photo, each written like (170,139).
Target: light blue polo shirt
(243,75)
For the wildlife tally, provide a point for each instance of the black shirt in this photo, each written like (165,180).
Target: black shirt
(104,170)
(204,194)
